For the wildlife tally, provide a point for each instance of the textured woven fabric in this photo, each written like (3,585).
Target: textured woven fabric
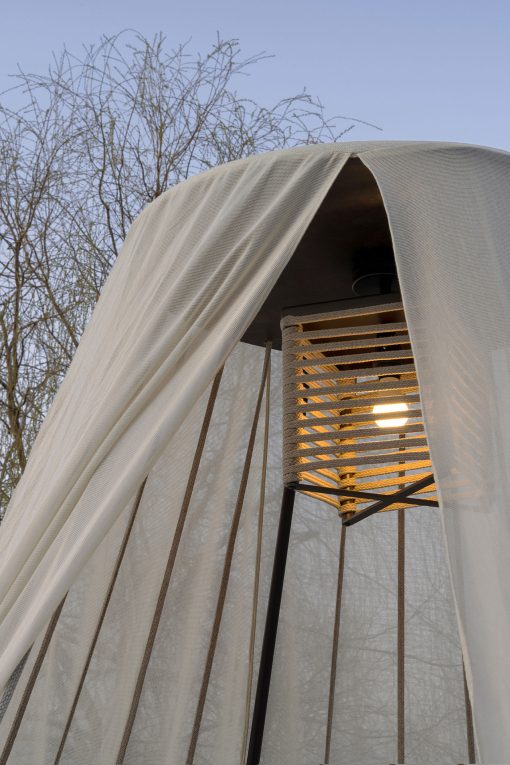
(449,212)
(194,270)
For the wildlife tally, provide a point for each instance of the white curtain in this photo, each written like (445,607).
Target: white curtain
(195,268)
(449,210)
(364,722)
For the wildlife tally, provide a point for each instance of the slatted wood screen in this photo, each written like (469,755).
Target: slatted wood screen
(352,411)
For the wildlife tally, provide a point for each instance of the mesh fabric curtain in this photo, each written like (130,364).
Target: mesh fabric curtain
(137,550)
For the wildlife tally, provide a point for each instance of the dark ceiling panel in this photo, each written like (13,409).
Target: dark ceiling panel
(350,225)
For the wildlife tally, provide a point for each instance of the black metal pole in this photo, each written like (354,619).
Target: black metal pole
(271,628)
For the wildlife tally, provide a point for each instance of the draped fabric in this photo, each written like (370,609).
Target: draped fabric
(194,270)
(452,245)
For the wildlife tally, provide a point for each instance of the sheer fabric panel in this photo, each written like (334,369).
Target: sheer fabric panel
(195,268)
(364,720)
(452,238)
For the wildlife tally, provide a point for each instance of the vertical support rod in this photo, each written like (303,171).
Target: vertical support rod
(271,628)
(334,650)
(469,721)
(32,679)
(401,638)
(401,572)
(100,622)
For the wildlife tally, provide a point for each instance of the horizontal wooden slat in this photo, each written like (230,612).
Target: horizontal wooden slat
(411,470)
(369,475)
(393,482)
(352,372)
(356,403)
(343,419)
(347,433)
(340,345)
(360,446)
(367,387)
(291,321)
(354,358)
(367,460)
(361,329)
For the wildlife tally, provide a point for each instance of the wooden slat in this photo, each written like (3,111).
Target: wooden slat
(351,372)
(361,329)
(358,446)
(346,433)
(366,417)
(366,387)
(354,358)
(339,345)
(353,461)
(290,322)
(356,403)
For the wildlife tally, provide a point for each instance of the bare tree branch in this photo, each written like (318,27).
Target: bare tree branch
(98,137)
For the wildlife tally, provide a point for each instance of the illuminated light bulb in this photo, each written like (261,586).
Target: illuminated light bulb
(398,422)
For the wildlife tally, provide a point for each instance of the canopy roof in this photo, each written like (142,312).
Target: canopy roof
(349,227)
(206,264)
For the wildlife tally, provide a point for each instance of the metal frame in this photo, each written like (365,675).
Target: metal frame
(271,627)
(276,590)
(308,345)
(383,500)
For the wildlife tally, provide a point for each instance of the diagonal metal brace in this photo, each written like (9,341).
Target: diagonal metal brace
(390,499)
(314,489)
(383,500)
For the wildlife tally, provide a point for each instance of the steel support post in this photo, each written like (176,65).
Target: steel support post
(271,628)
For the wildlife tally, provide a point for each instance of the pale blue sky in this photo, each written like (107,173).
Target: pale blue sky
(421,70)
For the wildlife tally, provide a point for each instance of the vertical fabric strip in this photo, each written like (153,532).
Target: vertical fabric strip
(334,651)
(227,565)
(102,615)
(401,638)
(469,721)
(260,528)
(31,683)
(169,568)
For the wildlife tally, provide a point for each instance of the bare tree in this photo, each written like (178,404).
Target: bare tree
(99,137)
